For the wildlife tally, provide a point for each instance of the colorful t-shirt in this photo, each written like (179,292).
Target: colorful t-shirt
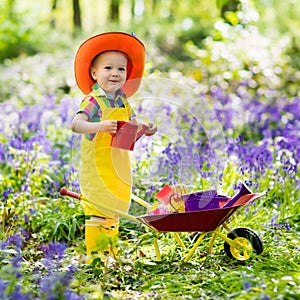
(91,107)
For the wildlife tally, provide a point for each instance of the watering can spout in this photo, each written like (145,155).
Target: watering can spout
(244,190)
(141,132)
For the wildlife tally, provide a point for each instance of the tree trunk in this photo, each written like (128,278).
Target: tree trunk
(53,9)
(76,15)
(114,10)
(132,6)
(10,9)
(155,5)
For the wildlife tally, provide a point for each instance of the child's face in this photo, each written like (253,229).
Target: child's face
(110,71)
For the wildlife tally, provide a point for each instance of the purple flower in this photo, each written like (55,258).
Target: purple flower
(16,142)
(26,219)
(2,153)
(68,295)
(32,211)
(287,226)
(3,285)
(247,285)
(16,261)
(54,250)
(54,284)
(3,245)
(48,286)
(25,233)
(16,240)
(265,297)
(7,192)
(18,295)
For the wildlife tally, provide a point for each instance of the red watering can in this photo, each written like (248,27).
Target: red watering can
(127,134)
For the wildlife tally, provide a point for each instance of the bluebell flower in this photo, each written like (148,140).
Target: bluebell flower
(2,152)
(287,226)
(55,154)
(18,295)
(32,211)
(4,245)
(16,240)
(48,286)
(265,297)
(26,219)
(25,233)
(25,187)
(3,285)
(16,142)
(53,249)
(16,261)
(7,192)
(247,285)
(68,295)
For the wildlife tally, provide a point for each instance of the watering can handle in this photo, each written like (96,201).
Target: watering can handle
(64,192)
(172,198)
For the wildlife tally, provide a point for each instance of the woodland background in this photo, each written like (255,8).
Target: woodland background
(233,66)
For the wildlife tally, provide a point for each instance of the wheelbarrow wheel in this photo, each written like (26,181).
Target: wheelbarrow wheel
(249,242)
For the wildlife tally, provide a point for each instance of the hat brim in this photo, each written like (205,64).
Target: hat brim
(110,41)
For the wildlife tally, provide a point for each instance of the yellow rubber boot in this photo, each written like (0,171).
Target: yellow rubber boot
(97,233)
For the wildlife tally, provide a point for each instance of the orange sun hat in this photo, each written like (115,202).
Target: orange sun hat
(110,41)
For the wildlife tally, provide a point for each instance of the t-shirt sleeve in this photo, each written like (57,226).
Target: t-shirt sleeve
(90,107)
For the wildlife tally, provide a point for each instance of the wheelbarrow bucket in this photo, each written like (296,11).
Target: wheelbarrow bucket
(205,220)
(202,200)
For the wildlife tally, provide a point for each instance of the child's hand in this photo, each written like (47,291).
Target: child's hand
(151,129)
(109,126)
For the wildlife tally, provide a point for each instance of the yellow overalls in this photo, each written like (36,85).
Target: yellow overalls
(105,177)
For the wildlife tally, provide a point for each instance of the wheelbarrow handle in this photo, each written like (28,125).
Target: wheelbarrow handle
(140,201)
(64,192)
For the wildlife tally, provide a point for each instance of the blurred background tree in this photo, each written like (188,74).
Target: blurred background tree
(28,27)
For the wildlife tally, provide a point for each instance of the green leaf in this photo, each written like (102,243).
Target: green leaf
(221,3)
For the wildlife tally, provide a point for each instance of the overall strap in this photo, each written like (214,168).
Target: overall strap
(124,100)
(101,103)
(99,100)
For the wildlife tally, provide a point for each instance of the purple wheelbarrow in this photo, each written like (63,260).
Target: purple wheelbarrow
(206,212)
